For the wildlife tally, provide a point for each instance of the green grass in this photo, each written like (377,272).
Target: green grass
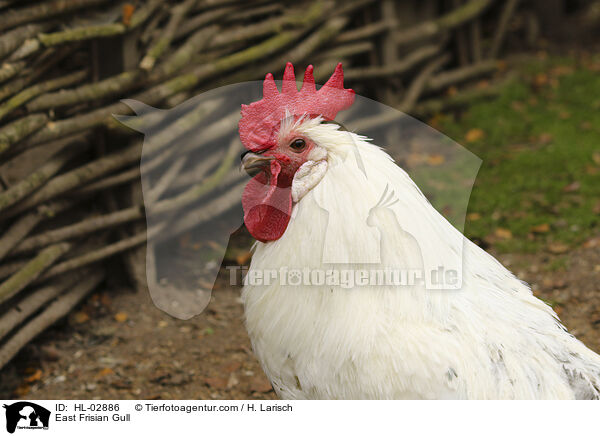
(559,263)
(540,135)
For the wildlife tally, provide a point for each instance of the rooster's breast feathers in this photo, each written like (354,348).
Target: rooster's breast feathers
(488,338)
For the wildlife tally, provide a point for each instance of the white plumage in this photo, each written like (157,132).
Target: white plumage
(490,339)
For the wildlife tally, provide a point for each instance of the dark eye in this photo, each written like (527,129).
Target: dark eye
(298,145)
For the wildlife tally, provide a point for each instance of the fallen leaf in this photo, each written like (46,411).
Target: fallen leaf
(216,382)
(562,70)
(260,384)
(104,371)
(242,258)
(435,159)
(517,106)
(21,390)
(105,299)
(80,317)
(572,187)
(37,375)
(474,216)
(121,384)
(596,157)
(564,115)
(540,79)
(560,284)
(503,233)
(436,120)
(593,66)
(414,159)
(474,135)
(482,84)
(545,138)
(121,317)
(128,10)
(557,248)
(50,353)
(592,243)
(231,367)
(541,228)
(596,208)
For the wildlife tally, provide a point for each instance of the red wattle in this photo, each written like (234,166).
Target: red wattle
(267,203)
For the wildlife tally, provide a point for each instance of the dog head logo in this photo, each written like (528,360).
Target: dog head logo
(26,415)
(195,194)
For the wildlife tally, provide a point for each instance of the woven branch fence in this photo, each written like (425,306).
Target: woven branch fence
(70,174)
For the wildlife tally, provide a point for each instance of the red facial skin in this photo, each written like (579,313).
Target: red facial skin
(267,198)
(289,158)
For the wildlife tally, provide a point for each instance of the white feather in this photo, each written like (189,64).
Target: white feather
(489,339)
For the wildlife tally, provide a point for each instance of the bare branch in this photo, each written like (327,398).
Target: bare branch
(58,309)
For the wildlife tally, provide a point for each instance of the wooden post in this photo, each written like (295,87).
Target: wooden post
(551,15)
(475,36)
(462,47)
(111,57)
(389,50)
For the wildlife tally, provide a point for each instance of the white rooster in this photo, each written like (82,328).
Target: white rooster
(489,339)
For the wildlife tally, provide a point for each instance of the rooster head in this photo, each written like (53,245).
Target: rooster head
(283,159)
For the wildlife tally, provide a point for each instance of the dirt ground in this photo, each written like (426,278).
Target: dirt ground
(118,345)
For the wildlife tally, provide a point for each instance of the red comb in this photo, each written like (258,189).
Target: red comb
(260,120)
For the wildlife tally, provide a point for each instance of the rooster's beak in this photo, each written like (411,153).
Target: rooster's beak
(253,163)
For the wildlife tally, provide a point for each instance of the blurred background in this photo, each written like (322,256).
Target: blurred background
(515,82)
